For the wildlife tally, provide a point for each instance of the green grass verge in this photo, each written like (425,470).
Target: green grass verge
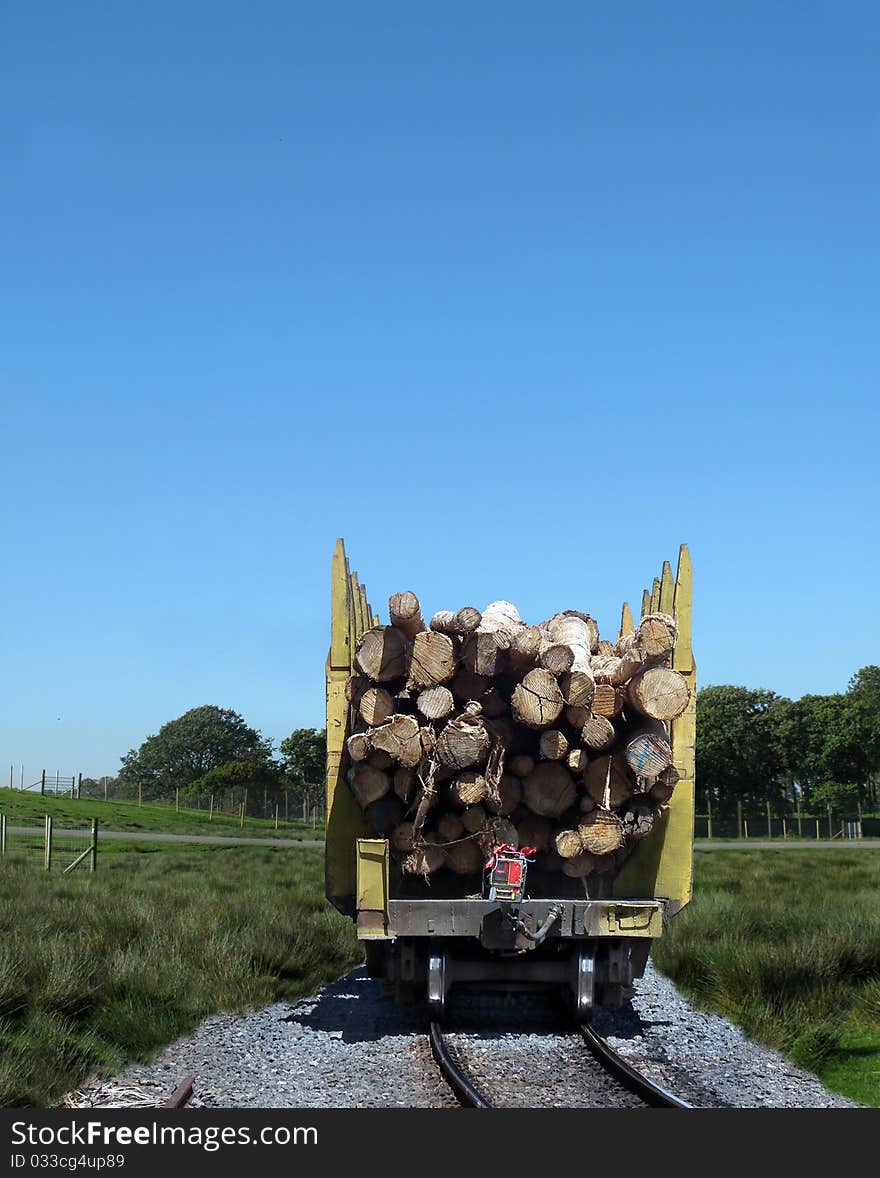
(99,970)
(24,808)
(788,947)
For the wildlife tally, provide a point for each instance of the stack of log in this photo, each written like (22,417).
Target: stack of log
(478,730)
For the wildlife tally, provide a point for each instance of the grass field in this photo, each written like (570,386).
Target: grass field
(788,947)
(98,970)
(24,808)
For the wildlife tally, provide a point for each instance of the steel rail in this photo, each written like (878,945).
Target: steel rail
(464,1090)
(626,1074)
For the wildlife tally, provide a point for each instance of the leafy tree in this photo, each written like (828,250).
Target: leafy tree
(185,749)
(739,751)
(304,755)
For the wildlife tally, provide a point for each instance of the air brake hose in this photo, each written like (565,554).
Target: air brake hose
(539,935)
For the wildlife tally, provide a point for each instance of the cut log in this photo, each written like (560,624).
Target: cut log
(578,688)
(662,789)
(537,701)
(577,716)
(598,733)
(450,827)
(466,621)
(577,760)
(381,654)
(557,659)
(549,789)
(521,765)
(429,858)
(586,804)
(379,759)
(432,659)
(638,821)
(582,865)
(474,819)
(468,788)
(435,703)
(494,704)
(568,844)
(402,837)
(607,700)
(535,831)
(376,706)
(613,773)
(510,796)
(613,668)
(483,652)
(405,613)
(500,616)
(385,815)
(497,832)
(466,685)
(553,745)
(658,692)
(464,858)
(369,784)
(601,832)
(573,630)
(648,753)
(404,782)
(655,635)
(524,649)
(400,737)
(358,745)
(464,742)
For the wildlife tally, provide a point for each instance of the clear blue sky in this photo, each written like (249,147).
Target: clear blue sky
(514,297)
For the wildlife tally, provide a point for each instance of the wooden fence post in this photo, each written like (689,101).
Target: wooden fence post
(276,816)
(2,835)
(177,801)
(47,850)
(93,861)
(746,827)
(739,818)
(769,823)
(211,809)
(830,831)
(709,809)
(43,783)
(79,786)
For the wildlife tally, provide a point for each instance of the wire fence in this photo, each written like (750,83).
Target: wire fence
(795,826)
(62,850)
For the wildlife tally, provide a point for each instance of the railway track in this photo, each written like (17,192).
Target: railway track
(605,1076)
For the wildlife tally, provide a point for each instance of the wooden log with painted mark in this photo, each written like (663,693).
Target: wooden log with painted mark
(381,654)
(648,752)
(601,832)
(658,692)
(537,701)
(405,613)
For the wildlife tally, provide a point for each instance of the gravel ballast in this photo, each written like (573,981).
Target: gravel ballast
(349,1047)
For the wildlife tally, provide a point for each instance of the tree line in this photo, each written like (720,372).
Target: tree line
(214,751)
(755,747)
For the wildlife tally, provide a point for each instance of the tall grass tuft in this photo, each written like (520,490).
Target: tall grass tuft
(99,970)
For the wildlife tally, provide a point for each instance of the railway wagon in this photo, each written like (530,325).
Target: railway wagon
(588,937)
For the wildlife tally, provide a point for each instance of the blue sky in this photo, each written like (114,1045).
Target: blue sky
(514,297)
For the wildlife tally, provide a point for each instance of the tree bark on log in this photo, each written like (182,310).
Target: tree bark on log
(464,742)
(450,827)
(381,654)
(404,782)
(474,819)
(358,746)
(369,784)
(466,685)
(537,701)
(466,621)
(621,782)
(435,703)
(464,858)
(355,686)
(376,706)
(400,738)
(658,692)
(521,765)
(405,613)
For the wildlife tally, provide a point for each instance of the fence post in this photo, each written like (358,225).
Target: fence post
(830,831)
(709,809)
(859,809)
(2,835)
(800,827)
(818,836)
(105,789)
(746,827)
(93,862)
(79,786)
(276,817)
(177,801)
(769,823)
(739,818)
(47,856)
(211,809)
(240,815)
(43,783)
(784,829)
